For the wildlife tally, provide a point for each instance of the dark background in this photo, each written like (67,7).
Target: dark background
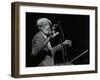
(75,28)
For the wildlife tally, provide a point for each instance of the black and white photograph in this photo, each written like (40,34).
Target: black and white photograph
(51,39)
(56,39)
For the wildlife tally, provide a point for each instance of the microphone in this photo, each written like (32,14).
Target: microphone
(58,25)
(54,26)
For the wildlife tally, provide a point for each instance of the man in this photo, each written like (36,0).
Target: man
(42,51)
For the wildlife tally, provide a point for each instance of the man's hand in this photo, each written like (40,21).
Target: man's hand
(69,42)
(55,34)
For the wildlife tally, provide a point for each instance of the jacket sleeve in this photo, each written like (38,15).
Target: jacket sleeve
(37,45)
(57,48)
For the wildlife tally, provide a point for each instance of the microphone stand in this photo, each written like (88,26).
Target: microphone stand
(62,46)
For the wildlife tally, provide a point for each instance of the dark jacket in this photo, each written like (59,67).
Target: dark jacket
(40,52)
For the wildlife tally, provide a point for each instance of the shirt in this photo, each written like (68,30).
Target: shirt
(48,44)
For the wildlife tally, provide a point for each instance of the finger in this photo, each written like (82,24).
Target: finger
(68,41)
(56,34)
(69,44)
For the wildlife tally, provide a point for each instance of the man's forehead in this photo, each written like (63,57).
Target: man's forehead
(44,21)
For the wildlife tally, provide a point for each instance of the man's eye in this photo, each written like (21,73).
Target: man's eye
(44,24)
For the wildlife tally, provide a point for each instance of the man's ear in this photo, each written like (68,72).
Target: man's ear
(39,28)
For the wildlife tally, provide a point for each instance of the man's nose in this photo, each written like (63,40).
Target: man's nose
(49,27)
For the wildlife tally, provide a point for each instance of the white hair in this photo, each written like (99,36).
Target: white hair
(43,21)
